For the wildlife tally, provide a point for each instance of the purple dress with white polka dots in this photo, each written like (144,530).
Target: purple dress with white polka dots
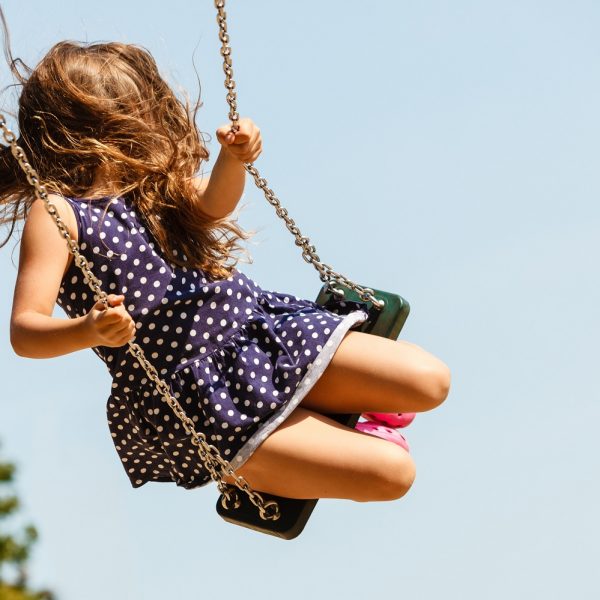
(238,358)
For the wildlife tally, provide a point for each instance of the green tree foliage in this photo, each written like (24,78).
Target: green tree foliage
(14,547)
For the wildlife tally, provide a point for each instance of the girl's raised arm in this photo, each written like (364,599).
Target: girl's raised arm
(221,192)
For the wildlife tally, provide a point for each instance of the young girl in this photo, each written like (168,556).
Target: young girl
(257,371)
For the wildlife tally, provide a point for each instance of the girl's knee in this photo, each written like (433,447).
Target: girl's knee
(391,477)
(443,378)
(436,384)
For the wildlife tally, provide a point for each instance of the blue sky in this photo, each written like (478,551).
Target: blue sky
(446,151)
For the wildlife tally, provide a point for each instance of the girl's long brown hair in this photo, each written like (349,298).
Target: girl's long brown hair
(104,108)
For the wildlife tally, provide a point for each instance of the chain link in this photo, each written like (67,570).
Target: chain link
(309,253)
(212,460)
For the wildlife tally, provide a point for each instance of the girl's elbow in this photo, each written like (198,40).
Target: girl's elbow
(17,346)
(16,342)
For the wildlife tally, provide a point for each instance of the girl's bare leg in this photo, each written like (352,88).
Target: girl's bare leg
(373,373)
(311,456)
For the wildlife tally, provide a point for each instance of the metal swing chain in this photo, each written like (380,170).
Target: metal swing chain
(209,454)
(309,253)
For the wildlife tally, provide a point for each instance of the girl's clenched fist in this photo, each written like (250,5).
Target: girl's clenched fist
(111,326)
(245,144)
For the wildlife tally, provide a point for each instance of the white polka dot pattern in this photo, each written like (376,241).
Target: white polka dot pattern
(238,358)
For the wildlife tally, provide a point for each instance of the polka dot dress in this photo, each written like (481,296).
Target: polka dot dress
(238,358)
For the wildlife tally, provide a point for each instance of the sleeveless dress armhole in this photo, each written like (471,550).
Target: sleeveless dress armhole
(75,207)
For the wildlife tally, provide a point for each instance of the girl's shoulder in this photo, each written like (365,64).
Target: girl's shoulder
(38,217)
(44,257)
(72,211)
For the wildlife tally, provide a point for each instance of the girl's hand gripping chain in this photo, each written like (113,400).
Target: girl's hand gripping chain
(245,144)
(111,326)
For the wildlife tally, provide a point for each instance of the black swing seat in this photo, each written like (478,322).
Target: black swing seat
(294,514)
